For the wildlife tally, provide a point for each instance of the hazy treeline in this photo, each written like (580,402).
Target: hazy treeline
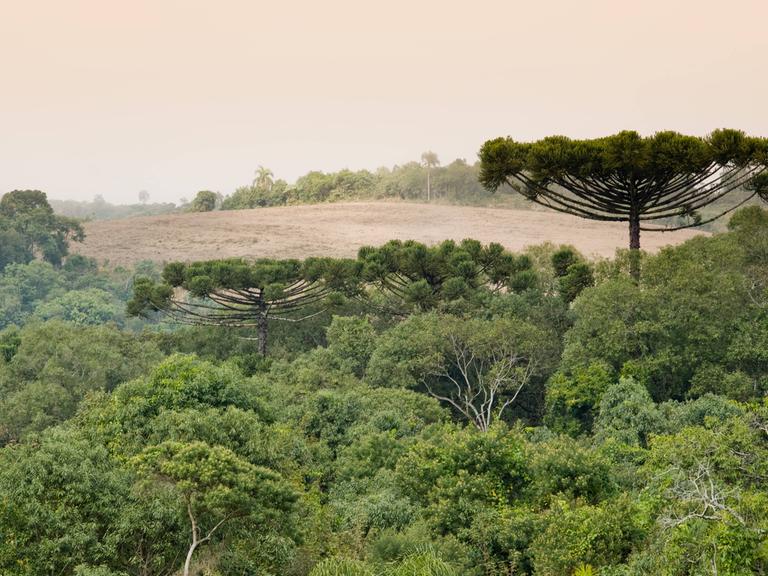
(455,183)
(100,209)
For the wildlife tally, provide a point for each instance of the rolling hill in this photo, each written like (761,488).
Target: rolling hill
(340,229)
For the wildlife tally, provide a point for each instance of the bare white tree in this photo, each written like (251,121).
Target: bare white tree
(483,368)
(699,496)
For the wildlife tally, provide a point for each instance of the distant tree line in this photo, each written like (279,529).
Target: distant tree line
(100,209)
(427,181)
(455,183)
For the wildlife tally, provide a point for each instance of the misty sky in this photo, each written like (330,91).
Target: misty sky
(107,97)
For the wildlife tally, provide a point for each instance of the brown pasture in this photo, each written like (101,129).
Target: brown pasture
(340,229)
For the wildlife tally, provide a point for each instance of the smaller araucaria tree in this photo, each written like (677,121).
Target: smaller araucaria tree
(237,293)
(629,178)
(414,275)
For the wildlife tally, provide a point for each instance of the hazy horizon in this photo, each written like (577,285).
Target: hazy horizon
(176,97)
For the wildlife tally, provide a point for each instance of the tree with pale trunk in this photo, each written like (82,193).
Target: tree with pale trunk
(264,179)
(217,489)
(429,160)
(483,366)
(480,368)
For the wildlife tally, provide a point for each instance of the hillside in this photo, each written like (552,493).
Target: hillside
(340,229)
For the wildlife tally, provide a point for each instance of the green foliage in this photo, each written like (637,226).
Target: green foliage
(716,380)
(10,340)
(693,310)
(424,564)
(575,535)
(453,357)
(77,292)
(456,182)
(13,246)
(352,340)
(126,419)
(332,456)
(217,489)
(421,277)
(564,469)
(455,473)
(55,365)
(205,201)
(214,480)
(573,400)
(341,567)
(30,227)
(23,287)
(578,276)
(563,259)
(626,154)
(629,178)
(89,307)
(59,498)
(240,294)
(627,414)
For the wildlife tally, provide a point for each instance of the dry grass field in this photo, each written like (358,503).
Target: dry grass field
(340,229)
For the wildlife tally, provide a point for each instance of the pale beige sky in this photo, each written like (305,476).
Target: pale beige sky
(108,97)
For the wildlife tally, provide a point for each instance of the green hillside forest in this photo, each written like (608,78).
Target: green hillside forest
(453,409)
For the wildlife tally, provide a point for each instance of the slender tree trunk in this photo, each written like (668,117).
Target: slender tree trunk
(188,561)
(634,246)
(263,333)
(195,538)
(429,185)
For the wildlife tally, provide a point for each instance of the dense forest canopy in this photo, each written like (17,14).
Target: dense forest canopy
(463,411)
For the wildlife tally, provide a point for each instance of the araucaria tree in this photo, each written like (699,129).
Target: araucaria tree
(413,275)
(629,178)
(237,293)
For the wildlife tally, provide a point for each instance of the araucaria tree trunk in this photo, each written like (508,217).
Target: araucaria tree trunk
(634,247)
(263,327)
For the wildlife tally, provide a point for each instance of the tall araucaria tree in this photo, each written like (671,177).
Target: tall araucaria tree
(413,275)
(237,293)
(630,178)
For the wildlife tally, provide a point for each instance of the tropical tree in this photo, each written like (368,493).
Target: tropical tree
(629,178)
(477,367)
(429,160)
(237,293)
(28,223)
(264,179)
(205,201)
(216,488)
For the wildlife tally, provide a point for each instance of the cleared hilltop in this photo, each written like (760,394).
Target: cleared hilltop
(340,229)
